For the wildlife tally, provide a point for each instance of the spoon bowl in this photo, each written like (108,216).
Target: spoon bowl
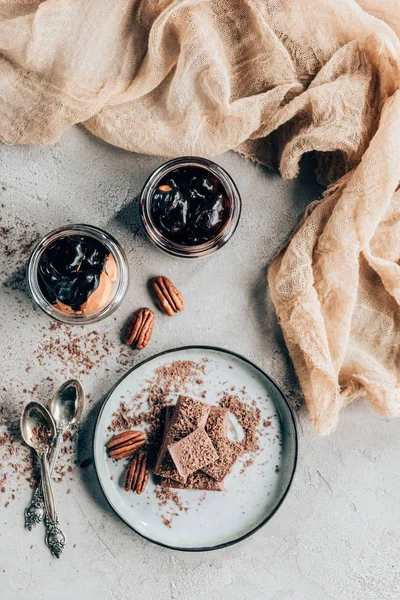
(67,403)
(38,428)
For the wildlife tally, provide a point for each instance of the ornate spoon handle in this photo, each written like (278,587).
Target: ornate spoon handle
(55,539)
(46,487)
(35,512)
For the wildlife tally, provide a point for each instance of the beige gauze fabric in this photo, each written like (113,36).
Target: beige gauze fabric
(272,79)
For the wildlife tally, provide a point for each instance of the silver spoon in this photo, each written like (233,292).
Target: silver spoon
(38,431)
(66,408)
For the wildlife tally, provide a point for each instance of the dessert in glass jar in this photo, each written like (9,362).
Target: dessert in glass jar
(78,274)
(190,207)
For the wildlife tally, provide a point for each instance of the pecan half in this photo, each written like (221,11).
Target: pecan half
(137,474)
(125,444)
(168,297)
(140,329)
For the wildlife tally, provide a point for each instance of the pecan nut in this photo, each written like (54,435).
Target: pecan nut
(168,297)
(125,444)
(136,474)
(140,329)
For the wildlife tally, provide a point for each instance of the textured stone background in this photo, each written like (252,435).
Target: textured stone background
(337,536)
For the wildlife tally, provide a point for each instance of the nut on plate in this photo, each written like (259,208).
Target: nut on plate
(125,444)
(136,474)
(168,296)
(140,329)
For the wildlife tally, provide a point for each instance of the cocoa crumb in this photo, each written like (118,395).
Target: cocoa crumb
(75,353)
(175,377)
(246,465)
(122,418)
(17,238)
(167,496)
(40,433)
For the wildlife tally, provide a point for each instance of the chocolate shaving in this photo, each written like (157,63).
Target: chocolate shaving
(248,417)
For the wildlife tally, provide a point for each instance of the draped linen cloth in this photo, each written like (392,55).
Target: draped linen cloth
(273,80)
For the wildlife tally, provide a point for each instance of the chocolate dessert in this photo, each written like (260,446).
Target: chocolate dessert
(190,206)
(228,451)
(193,452)
(77,273)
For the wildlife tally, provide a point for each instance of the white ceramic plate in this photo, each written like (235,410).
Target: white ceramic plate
(251,496)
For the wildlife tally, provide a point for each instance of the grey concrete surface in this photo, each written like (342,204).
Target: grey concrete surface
(337,536)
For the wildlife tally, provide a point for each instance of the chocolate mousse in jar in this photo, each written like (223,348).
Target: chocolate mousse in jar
(190,207)
(78,274)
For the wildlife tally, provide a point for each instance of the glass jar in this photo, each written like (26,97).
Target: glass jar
(179,249)
(119,287)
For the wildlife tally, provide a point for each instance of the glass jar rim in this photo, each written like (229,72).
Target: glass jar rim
(77,229)
(175,248)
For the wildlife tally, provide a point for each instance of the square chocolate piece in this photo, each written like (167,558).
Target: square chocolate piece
(193,452)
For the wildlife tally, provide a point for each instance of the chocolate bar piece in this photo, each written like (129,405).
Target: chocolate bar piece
(192,452)
(228,451)
(187,416)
